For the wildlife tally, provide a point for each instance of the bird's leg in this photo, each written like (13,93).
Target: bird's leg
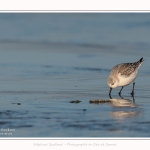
(120,91)
(110,96)
(121,96)
(110,92)
(133,99)
(132,93)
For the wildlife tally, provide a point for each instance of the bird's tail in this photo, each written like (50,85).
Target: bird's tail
(140,61)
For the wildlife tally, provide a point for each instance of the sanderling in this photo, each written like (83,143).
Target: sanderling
(124,74)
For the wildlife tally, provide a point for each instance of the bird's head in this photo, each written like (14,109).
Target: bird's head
(112,83)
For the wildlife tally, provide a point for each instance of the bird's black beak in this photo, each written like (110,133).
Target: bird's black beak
(110,91)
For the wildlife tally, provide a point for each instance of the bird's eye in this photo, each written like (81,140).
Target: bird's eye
(112,84)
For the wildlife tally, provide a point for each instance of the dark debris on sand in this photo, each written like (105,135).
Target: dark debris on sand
(75,101)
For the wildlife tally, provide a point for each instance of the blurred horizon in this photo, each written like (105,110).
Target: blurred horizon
(76,28)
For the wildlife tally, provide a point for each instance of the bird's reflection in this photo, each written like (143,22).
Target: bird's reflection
(126,108)
(120,115)
(122,102)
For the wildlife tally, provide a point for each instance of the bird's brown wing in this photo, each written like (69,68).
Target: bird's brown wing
(127,69)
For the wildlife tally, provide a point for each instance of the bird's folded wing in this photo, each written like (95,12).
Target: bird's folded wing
(126,69)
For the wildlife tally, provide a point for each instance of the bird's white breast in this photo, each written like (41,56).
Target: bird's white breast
(123,80)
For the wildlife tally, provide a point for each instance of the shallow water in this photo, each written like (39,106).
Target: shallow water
(41,76)
(36,95)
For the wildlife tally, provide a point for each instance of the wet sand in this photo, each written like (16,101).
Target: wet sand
(46,90)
